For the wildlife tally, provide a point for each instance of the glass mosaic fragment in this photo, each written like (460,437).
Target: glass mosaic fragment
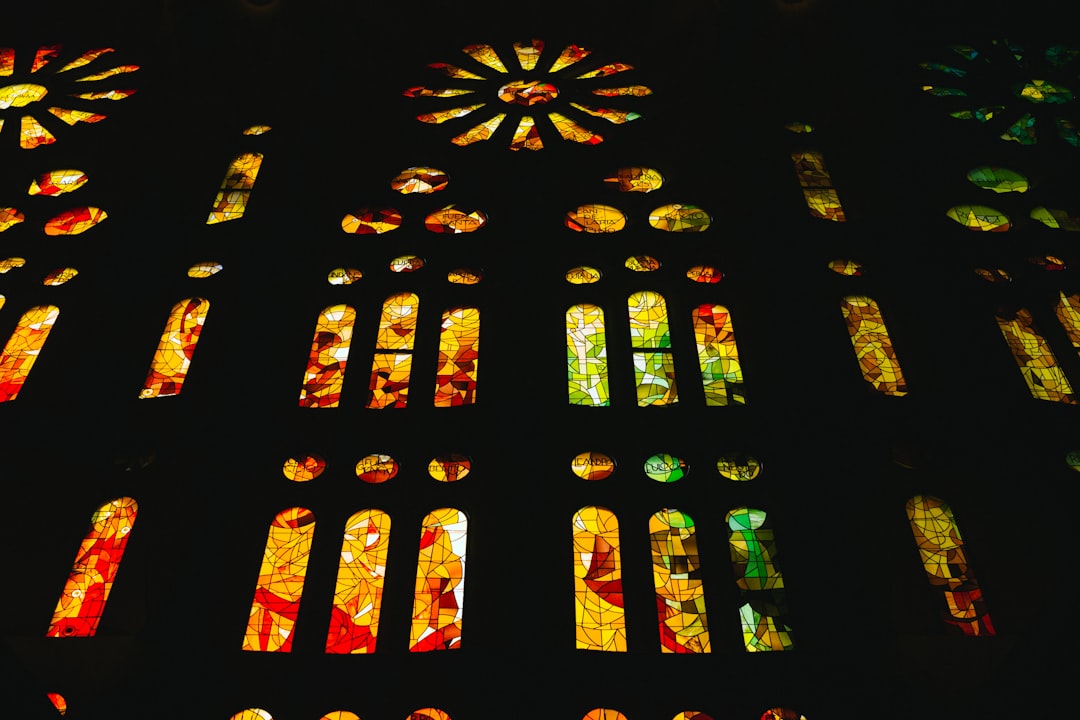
(874,350)
(60,276)
(779,713)
(817,186)
(592,465)
(354,616)
(105,95)
(459,350)
(582,275)
(280,585)
(1060,55)
(799,127)
(679,218)
(843,266)
(595,218)
(1056,219)
(75,221)
(71,117)
(528,93)
(939,91)
(1038,365)
(642,263)
(1068,314)
(388,386)
(586,352)
(997,179)
(449,467)
(44,55)
(1047,262)
(454,71)
(979,217)
(485,55)
(636,179)
(528,53)
(1044,91)
(57,182)
(204,269)
(604,714)
(680,596)
(406,264)
(86,591)
(58,702)
(252,714)
(526,137)
(654,375)
(940,67)
(421,91)
(371,221)
(440,116)
(256,130)
(419,180)
(464,276)
(23,348)
(172,359)
(439,598)
(570,55)
(705,274)
(231,201)
(479,133)
(9,218)
(11,263)
(598,595)
(616,117)
(118,70)
(343,276)
(981,114)
(21,95)
(377,468)
(7,61)
(738,468)
(648,321)
(606,70)
(627,91)
(454,221)
(1021,131)
(428,714)
(570,130)
(665,468)
(303,468)
(325,372)
(718,356)
(993,275)
(33,135)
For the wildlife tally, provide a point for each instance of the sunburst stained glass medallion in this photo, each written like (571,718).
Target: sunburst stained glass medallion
(538,94)
(33,88)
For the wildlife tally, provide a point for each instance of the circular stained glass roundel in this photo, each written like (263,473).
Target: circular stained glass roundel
(665,468)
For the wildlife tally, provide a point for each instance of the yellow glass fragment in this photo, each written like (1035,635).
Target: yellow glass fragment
(479,133)
(571,54)
(817,186)
(594,218)
(33,135)
(718,357)
(526,137)
(9,218)
(454,221)
(873,348)
(636,179)
(570,130)
(85,59)
(738,469)
(582,275)
(598,597)
(343,276)
(605,70)
(256,130)
(441,116)
(680,218)
(459,351)
(389,383)
(592,465)
(118,70)
(354,617)
(377,468)
(680,596)
(449,468)
(232,200)
(705,274)
(995,275)
(280,586)
(528,92)
(642,263)
(371,221)
(617,117)
(204,269)
(340,714)
(628,91)
(438,600)
(105,95)
(304,468)
(75,221)
(464,276)
(11,263)
(57,182)
(72,117)
(485,55)
(528,54)
(23,347)
(172,359)
(421,91)
(841,266)
(60,276)
(654,370)
(421,180)
(586,356)
(979,217)
(761,632)
(1038,365)
(21,95)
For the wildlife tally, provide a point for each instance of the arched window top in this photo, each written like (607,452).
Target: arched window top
(648,320)
(252,714)
(745,518)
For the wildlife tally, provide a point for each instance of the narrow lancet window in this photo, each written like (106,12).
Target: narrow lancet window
(354,619)
(1044,377)
(276,604)
(86,591)
(23,348)
(325,372)
(232,199)
(586,356)
(873,347)
(680,597)
(1068,314)
(459,351)
(598,595)
(721,373)
(389,385)
(439,599)
(817,186)
(753,554)
(941,550)
(654,367)
(172,360)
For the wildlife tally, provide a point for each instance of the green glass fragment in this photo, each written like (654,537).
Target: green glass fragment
(982,114)
(1043,91)
(979,217)
(666,468)
(943,91)
(965,51)
(1059,55)
(955,72)
(1022,131)
(1067,132)
(1000,180)
(1056,219)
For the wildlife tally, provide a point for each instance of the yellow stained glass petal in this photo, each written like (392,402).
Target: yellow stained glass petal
(105,95)
(60,276)
(571,54)
(421,91)
(33,135)
(85,59)
(636,179)
(454,71)
(75,221)
(595,218)
(204,269)
(57,182)
(10,264)
(628,91)
(570,130)
(118,70)
(9,218)
(528,53)
(44,56)
(441,116)
(21,95)
(485,55)
(526,137)
(605,70)
(618,117)
(72,117)
(480,132)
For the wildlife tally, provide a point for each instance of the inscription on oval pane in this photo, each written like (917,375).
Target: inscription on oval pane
(371,221)
(450,467)
(204,269)
(303,468)
(406,264)
(636,179)
(679,218)
(343,276)
(595,219)
(376,468)
(739,468)
(705,274)
(421,180)
(454,221)
(979,218)
(642,263)
(592,465)
(464,276)
(582,275)
(663,467)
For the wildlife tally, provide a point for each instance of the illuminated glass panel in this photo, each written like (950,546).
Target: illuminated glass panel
(232,200)
(583,275)
(354,618)
(459,351)
(680,597)
(753,555)
(343,276)
(842,266)
(598,596)
(438,602)
(389,384)
(23,347)
(86,591)
(570,55)
(1044,377)
(595,218)
(464,276)
(480,132)
(72,117)
(629,90)
(642,263)
(104,95)
(528,53)
(118,70)
(454,221)
(10,217)
(7,61)
(586,356)
(721,373)
(485,55)
(422,180)
(252,714)
(679,218)
(450,467)
(979,218)
(526,137)
(941,550)
(58,701)
(9,264)
(421,91)
(707,274)
(172,359)
(376,468)
(604,714)
(204,269)
(33,135)
(60,276)
(325,372)
(1068,314)
(428,714)
(440,116)
(57,182)
(636,179)
(303,468)
(44,55)
(780,713)
(873,348)
(617,117)
(570,130)
(817,186)
(592,465)
(371,221)
(654,367)
(75,221)
(281,582)
(454,71)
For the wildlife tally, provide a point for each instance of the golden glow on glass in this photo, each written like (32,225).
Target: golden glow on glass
(679,218)
(57,182)
(1038,365)
(464,276)
(459,351)
(528,92)
(526,137)
(11,263)
(570,130)
(680,597)
(33,134)
(280,585)
(642,263)
(453,221)
(605,70)
(705,274)
(721,372)
(586,356)
(979,218)
(232,199)
(528,53)
(75,221)
(817,186)
(582,275)
(654,368)
(376,468)
(450,467)
(419,180)
(406,264)
(485,55)
(343,276)
(23,347)
(617,117)
(71,117)
(21,95)
(60,276)
(480,132)
(389,383)
(371,221)
(592,465)
(438,601)
(303,468)
(627,91)
(440,116)
(593,218)
(598,597)
(204,269)
(636,179)
(325,372)
(172,359)
(9,218)
(873,348)
(354,617)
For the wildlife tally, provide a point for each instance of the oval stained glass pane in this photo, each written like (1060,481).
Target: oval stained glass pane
(75,221)
(663,467)
(705,274)
(636,179)
(1047,262)
(592,465)
(679,218)
(738,468)
(57,182)
(604,714)
(419,180)
(464,276)
(450,467)
(595,219)
(454,221)
(582,275)
(993,275)
(11,263)
(371,221)
(997,179)
(376,469)
(642,263)
(204,269)
(343,276)
(256,130)
(842,266)
(303,468)
(406,264)
(60,276)
(979,217)
(428,714)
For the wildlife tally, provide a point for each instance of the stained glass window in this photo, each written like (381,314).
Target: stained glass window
(354,619)
(598,595)
(1044,377)
(389,384)
(459,351)
(654,366)
(276,604)
(1068,314)
(753,554)
(325,372)
(817,186)
(438,602)
(252,714)
(680,597)
(721,373)
(873,347)
(75,221)
(586,356)
(172,359)
(232,199)
(23,348)
(941,550)
(86,591)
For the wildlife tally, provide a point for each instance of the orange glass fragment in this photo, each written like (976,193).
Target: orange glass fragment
(9,217)
(44,55)
(371,221)
(325,372)
(57,182)
(76,116)
(276,603)
(303,468)
(33,135)
(23,348)
(75,221)
(60,276)
(85,59)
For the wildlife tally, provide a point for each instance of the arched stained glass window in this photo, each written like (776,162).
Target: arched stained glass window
(680,597)
(753,555)
(1044,377)
(873,347)
(721,373)
(389,385)
(941,550)
(325,373)
(172,360)
(439,600)
(23,348)
(252,714)
(276,604)
(598,595)
(586,356)
(459,351)
(232,199)
(817,186)
(654,367)
(354,619)
(86,591)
